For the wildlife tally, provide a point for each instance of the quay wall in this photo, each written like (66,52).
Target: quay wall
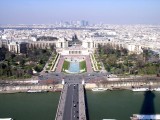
(123,84)
(90,85)
(25,88)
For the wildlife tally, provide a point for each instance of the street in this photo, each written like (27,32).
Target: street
(71,110)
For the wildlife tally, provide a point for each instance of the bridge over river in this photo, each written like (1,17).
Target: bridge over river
(72,103)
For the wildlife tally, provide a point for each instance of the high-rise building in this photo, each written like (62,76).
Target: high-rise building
(84,23)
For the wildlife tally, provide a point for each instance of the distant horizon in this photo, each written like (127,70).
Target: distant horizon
(120,12)
(90,23)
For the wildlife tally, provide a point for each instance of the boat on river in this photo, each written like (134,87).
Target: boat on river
(34,91)
(108,119)
(99,89)
(140,89)
(6,119)
(145,117)
(156,89)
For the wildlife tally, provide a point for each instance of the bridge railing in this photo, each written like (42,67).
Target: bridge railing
(82,107)
(61,105)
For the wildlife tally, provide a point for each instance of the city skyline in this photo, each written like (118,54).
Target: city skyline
(79,59)
(95,11)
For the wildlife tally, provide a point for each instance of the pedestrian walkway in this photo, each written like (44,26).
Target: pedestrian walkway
(88,64)
(60,64)
(82,107)
(61,105)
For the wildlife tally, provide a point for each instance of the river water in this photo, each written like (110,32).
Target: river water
(121,105)
(29,106)
(118,105)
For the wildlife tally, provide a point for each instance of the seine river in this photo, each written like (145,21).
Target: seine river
(29,106)
(118,105)
(121,105)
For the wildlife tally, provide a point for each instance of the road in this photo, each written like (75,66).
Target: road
(68,78)
(71,110)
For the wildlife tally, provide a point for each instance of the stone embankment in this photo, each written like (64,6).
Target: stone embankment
(26,88)
(125,84)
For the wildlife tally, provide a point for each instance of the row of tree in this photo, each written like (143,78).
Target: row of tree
(22,65)
(119,61)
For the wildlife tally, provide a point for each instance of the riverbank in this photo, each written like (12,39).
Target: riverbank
(31,88)
(109,83)
(128,85)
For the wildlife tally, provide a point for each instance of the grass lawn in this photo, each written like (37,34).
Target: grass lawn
(83,65)
(65,65)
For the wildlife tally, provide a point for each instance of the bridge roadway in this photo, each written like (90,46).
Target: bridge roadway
(72,104)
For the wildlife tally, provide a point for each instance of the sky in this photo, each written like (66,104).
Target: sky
(94,11)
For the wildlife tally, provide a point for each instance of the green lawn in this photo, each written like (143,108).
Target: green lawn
(65,65)
(83,65)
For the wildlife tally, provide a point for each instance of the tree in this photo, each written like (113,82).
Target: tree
(38,68)
(30,71)
(140,62)
(111,60)
(41,61)
(146,54)
(53,48)
(22,62)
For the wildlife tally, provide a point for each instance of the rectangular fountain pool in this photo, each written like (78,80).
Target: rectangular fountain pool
(74,67)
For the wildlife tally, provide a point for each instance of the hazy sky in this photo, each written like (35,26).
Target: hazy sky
(95,11)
